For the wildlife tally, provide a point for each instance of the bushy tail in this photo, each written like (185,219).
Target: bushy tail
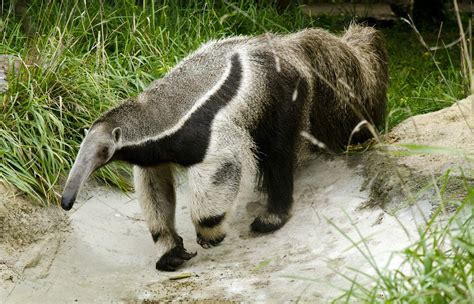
(369,47)
(369,44)
(366,40)
(350,77)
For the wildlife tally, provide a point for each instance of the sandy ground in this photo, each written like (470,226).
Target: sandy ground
(106,254)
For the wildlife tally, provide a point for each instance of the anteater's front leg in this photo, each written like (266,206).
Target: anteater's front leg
(156,194)
(214,187)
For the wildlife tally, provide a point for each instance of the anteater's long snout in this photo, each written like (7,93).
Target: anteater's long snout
(81,170)
(71,189)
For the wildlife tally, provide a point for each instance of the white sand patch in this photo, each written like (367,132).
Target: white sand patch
(109,256)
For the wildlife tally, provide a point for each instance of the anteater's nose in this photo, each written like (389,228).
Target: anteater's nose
(67,202)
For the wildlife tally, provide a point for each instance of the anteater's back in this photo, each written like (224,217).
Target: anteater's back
(349,78)
(341,81)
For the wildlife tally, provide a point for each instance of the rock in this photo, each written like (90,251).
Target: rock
(8,64)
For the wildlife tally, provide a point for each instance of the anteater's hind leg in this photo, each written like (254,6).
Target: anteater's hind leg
(156,194)
(276,137)
(278,185)
(214,187)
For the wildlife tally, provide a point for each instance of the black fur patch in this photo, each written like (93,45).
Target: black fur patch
(174,258)
(278,130)
(228,172)
(155,237)
(212,221)
(188,145)
(261,226)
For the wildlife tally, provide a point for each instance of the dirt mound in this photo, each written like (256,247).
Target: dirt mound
(445,139)
(430,149)
(22,223)
(26,232)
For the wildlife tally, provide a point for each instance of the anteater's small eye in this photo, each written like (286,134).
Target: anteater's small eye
(104,152)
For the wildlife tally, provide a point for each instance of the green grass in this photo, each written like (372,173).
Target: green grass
(82,60)
(416,84)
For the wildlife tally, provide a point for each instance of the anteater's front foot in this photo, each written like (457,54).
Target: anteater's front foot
(174,258)
(269,222)
(211,240)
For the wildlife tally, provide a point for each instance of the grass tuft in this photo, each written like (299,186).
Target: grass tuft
(437,268)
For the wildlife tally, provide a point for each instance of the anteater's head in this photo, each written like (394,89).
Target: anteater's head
(97,149)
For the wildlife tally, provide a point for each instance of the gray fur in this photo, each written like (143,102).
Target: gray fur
(168,99)
(228,101)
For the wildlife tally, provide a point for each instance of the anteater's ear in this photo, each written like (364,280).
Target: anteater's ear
(117,134)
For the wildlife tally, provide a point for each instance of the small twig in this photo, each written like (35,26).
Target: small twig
(464,48)
(445,46)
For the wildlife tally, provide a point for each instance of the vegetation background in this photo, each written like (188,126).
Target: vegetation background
(78,58)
